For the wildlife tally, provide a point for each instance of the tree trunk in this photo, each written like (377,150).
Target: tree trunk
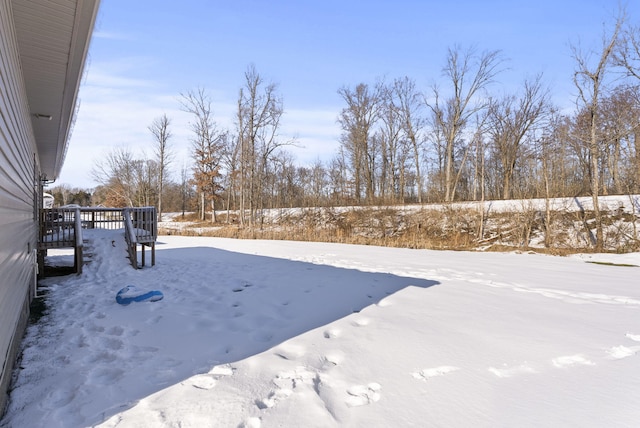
(203,206)
(595,183)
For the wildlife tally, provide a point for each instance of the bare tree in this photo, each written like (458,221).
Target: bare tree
(627,55)
(258,122)
(116,172)
(400,144)
(589,79)
(159,128)
(390,136)
(230,155)
(627,51)
(338,178)
(468,73)
(357,120)
(207,148)
(61,194)
(409,109)
(620,122)
(511,120)
(319,181)
(185,188)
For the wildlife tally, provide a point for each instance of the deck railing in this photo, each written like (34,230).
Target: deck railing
(102,218)
(58,227)
(62,228)
(144,221)
(140,227)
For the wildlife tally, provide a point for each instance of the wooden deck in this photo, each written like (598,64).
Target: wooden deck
(62,228)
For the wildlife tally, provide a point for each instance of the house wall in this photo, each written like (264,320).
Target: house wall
(18,201)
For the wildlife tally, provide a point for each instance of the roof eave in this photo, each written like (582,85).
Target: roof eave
(53,40)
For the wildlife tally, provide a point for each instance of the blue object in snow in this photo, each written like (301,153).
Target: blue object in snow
(131,294)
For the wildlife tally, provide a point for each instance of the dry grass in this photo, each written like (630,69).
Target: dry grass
(446,229)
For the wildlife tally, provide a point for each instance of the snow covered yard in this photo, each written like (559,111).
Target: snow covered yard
(297,334)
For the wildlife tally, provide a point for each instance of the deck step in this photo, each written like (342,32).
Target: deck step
(87,253)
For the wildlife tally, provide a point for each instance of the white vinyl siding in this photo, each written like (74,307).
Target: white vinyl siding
(18,227)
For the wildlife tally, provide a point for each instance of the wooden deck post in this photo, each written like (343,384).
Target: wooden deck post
(42,253)
(77,259)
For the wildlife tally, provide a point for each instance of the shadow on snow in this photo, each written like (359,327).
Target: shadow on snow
(219,307)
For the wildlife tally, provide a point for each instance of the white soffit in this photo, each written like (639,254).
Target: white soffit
(53,39)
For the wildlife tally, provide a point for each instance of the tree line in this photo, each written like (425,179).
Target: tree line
(460,139)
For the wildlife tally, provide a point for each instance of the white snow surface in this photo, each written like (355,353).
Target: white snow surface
(296,334)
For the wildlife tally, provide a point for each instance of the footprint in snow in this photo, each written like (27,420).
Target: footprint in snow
(154,320)
(572,360)
(95,328)
(385,302)
(290,351)
(115,331)
(203,381)
(102,357)
(105,376)
(511,371)
(332,333)
(361,322)
(112,343)
(80,341)
(620,352)
(286,382)
(251,422)
(273,398)
(223,370)
(360,395)
(239,289)
(333,358)
(634,337)
(433,372)
(58,398)
(293,378)
(145,351)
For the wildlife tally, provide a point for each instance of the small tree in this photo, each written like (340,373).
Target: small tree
(161,134)
(589,79)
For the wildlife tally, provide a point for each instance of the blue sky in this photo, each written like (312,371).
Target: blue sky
(145,53)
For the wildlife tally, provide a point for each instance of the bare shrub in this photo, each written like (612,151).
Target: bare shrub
(446,227)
